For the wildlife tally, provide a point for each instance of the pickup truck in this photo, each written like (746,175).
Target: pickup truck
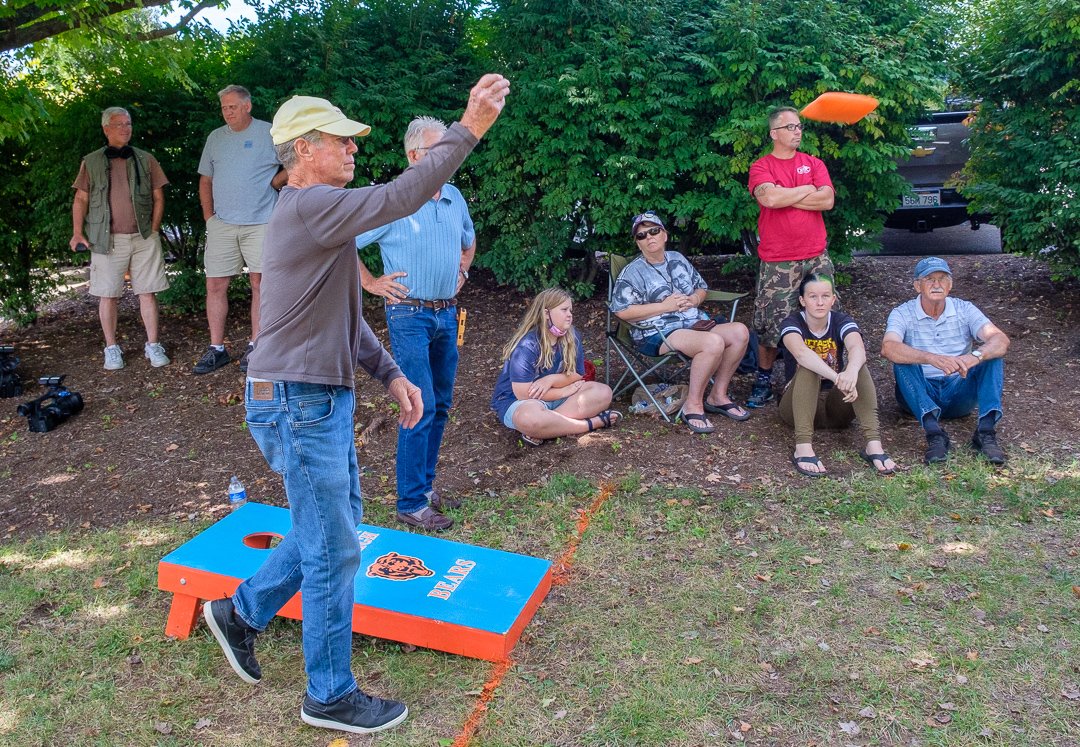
(939,150)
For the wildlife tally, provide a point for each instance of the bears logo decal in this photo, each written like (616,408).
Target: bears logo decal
(394,567)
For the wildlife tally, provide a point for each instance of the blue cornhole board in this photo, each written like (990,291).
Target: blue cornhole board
(412,588)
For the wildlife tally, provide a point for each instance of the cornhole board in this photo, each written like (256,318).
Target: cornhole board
(411,588)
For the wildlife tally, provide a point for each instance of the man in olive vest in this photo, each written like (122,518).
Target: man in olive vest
(119,203)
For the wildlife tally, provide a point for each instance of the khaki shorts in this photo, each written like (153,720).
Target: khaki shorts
(230,248)
(128,252)
(778,293)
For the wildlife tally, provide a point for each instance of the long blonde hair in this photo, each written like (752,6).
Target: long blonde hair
(536,318)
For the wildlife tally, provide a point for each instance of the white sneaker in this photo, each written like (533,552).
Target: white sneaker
(156,353)
(114,359)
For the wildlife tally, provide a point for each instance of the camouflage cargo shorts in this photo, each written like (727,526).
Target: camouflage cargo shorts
(778,293)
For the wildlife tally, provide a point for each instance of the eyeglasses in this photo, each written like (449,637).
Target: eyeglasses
(642,235)
(790,127)
(423,148)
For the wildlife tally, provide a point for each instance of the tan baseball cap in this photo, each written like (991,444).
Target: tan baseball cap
(302,114)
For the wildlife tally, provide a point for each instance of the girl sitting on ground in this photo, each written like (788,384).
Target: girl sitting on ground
(828,382)
(541,392)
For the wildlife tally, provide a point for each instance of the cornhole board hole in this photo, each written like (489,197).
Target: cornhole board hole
(411,588)
(837,106)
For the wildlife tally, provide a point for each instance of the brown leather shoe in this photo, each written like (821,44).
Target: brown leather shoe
(427,518)
(439,502)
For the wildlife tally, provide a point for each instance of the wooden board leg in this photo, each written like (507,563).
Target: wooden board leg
(182,614)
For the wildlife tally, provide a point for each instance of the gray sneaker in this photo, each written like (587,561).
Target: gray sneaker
(156,354)
(114,359)
(356,713)
(212,360)
(237,640)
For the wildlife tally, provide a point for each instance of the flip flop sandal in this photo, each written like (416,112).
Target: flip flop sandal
(607,417)
(529,440)
(798,461)
(689,418)
(882,457)
(728,411)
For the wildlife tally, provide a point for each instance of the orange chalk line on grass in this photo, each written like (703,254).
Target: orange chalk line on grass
(561,577)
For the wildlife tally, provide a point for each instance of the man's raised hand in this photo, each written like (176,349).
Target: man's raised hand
(486,100)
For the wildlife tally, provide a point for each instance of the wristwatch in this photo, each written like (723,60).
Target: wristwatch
(977,353)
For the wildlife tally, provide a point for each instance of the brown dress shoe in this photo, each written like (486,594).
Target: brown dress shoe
(439,502)
(427,518)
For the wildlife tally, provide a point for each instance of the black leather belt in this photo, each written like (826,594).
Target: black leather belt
(438,304)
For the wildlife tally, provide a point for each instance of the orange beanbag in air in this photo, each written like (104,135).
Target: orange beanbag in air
(835,106)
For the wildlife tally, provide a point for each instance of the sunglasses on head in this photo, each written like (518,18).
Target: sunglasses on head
(642,235)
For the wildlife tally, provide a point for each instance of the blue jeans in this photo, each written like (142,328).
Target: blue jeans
(424,343)
(951,396)
(305,431)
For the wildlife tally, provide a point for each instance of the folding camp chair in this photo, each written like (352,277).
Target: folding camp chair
(664,368)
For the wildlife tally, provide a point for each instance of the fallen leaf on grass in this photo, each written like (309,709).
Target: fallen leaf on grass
(560,714)
(202,724)
(811,561)
(868,712)
(939,720)
(903,546)
(972,655)
(948,706)
(762,576)
(339,742)
(100,583)
(714,477)
(162,727)
(1076,591)
(1070,692)
(958,548)
(766,666)
(850,727)
(923,661)
(961,679)
(693,660)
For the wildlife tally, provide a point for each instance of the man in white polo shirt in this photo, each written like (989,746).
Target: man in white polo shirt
(948,360)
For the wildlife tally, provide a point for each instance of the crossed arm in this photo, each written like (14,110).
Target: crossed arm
(996,345)
(845,380)
(805,197)
(675,302)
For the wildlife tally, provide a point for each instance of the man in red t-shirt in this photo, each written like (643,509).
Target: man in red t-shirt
(793,190)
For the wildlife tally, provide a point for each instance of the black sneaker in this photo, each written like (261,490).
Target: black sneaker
(236,639)
(937,447)
(212,360)
(986,443)
(244,359)
(760,395)
(356,713)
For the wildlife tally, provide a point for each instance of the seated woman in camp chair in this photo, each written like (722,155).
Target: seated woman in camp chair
(541,392)
(828,382)
(659,294)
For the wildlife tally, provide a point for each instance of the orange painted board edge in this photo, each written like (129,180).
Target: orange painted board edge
(186,583)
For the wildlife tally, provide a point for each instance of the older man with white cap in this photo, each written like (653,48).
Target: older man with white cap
(299,393)
(949,360)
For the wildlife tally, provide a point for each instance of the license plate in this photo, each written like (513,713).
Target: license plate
(931,198)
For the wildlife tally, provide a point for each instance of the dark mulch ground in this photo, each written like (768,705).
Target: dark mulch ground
(163,442)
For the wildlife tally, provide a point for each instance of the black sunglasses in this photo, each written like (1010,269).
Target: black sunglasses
(642,235)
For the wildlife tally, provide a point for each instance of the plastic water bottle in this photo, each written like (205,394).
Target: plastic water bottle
(639,407)
(237,494)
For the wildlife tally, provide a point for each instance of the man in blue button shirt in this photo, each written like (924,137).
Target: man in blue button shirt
(426,259)
(939,372)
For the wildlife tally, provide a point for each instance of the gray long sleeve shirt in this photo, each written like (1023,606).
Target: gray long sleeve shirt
(312,328)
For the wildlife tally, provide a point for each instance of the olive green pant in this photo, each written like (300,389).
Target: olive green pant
(806,407)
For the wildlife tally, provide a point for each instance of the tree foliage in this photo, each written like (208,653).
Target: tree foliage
(662,104)
(615,108)
(1024,63)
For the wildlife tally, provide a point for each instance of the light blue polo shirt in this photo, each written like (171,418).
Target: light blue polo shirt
(427,245)
(242,165)
(950,334)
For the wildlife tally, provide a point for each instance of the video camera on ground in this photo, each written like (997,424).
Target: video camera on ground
(52,408)
(10,382)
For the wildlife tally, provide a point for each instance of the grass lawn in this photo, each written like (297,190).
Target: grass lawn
(938,607)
